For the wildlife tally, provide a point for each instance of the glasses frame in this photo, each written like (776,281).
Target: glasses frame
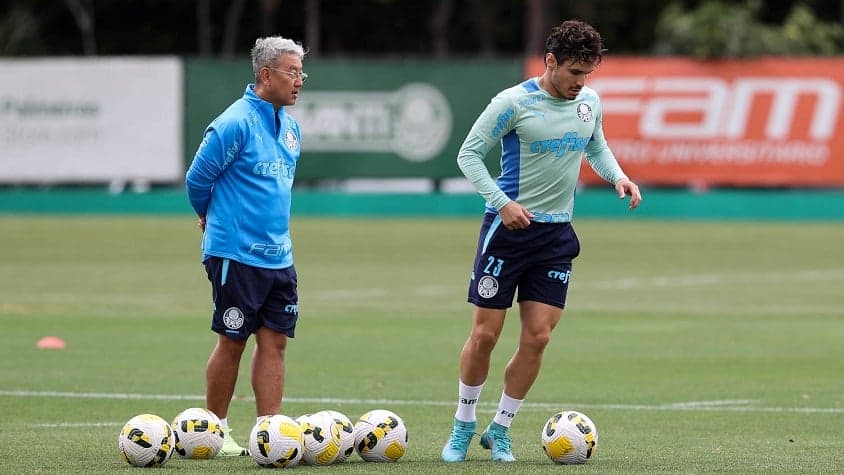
(302,76)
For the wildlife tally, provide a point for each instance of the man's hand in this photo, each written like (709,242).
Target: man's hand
(515,216)
(201,223)
(626,187)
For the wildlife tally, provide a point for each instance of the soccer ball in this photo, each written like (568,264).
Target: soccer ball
(276,441)
(322,439)
(347,434)
(380,436)
(569,437)
(146,441)
(199,433)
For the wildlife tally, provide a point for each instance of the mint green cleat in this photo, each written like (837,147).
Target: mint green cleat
(457,445)
(496,438)
(231,448)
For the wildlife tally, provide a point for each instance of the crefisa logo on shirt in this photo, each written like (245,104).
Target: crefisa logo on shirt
(291,140)
(584,112)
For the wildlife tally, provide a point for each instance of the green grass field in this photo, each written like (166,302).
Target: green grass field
(696,347)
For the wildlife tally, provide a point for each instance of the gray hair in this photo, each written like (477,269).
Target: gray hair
(268,49)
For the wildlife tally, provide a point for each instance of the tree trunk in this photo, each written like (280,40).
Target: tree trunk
(204,28)
(578,9)
(19,25)
(232,29)
(483,13)
(83,13)
(536,27)
(439,28)
(313,20)
(269,9)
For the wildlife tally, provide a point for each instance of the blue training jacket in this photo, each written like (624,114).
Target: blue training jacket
(241,180)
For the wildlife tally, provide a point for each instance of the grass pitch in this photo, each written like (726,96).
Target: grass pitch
(695,347)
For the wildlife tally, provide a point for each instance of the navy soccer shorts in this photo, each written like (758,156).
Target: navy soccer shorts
(247,297)
(536,260)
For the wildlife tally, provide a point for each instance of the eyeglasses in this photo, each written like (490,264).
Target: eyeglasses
(301,75)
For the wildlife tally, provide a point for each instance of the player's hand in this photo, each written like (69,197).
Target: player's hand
(626,187)
(201,223)
(515,216)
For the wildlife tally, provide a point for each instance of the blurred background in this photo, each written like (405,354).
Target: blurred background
(702,331)
(727,109)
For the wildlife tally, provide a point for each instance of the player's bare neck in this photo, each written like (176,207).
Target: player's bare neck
(549,87)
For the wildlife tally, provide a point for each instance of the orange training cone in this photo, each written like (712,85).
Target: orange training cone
(51,343)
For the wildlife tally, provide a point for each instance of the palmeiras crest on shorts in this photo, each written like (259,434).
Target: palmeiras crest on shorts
(291,140)
(487,286)
(584,112)
(233,318)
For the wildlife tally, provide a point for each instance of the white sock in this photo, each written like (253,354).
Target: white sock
(507,410)
(225,422)
(467,401)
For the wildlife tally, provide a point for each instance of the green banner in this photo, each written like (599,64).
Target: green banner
(366,118)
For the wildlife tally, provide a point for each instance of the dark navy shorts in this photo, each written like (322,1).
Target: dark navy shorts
(536,260)
(247,297)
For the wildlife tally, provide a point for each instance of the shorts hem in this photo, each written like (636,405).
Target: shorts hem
(553,304)
(236,336)
(489,305)
(290,332)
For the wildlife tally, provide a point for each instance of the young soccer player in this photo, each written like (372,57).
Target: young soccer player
(545,126)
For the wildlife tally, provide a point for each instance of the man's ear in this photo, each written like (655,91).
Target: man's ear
(264,74)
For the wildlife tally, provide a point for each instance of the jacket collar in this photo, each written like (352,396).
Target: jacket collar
(265,109)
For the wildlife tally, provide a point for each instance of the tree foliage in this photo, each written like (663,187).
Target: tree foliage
(418,28)
(716,29)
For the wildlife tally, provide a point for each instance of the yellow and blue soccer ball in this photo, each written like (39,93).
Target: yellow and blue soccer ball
(347,434)
(146,440)
(569,437)
(380,436)
(276,442)
(199,433)
(322,439)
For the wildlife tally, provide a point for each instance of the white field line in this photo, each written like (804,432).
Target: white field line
(714,279)
(78,424)
(729,405)
(725,402)
(346,294)
(749,308)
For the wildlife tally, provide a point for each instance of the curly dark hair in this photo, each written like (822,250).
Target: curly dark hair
(575,40)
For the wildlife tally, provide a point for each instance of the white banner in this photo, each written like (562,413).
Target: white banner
(75,120)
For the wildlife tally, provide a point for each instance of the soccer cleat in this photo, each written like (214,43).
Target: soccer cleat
(457,445)
(496,438)
(231,448)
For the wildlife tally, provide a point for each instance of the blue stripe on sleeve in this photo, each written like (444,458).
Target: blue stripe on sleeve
(510,165)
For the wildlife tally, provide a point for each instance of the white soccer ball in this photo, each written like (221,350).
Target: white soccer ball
(199,433)
(569,437)
(347,434)
(146,441)
(322,439)
(380,436)
(276,441)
